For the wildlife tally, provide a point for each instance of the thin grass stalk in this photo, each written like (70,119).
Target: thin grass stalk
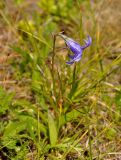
(53,56)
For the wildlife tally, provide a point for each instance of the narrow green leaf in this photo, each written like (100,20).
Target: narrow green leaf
(52,130)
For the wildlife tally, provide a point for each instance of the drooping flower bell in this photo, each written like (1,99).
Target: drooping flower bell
(75,48)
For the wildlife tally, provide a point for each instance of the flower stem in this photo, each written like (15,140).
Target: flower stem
(73,86)
(74,75)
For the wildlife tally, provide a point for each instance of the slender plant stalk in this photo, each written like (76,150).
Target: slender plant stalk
(53,56)
(60,92)
(38,132)
(90,146)
(74,76)
(73,80)
(74,73)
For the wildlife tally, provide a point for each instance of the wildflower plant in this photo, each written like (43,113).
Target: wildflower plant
(55,109)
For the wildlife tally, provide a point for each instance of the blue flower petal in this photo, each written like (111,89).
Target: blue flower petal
(71,62)
(74,46)
(75,58)
(87,42)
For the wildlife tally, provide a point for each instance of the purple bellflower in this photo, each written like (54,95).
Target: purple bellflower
(75,48)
